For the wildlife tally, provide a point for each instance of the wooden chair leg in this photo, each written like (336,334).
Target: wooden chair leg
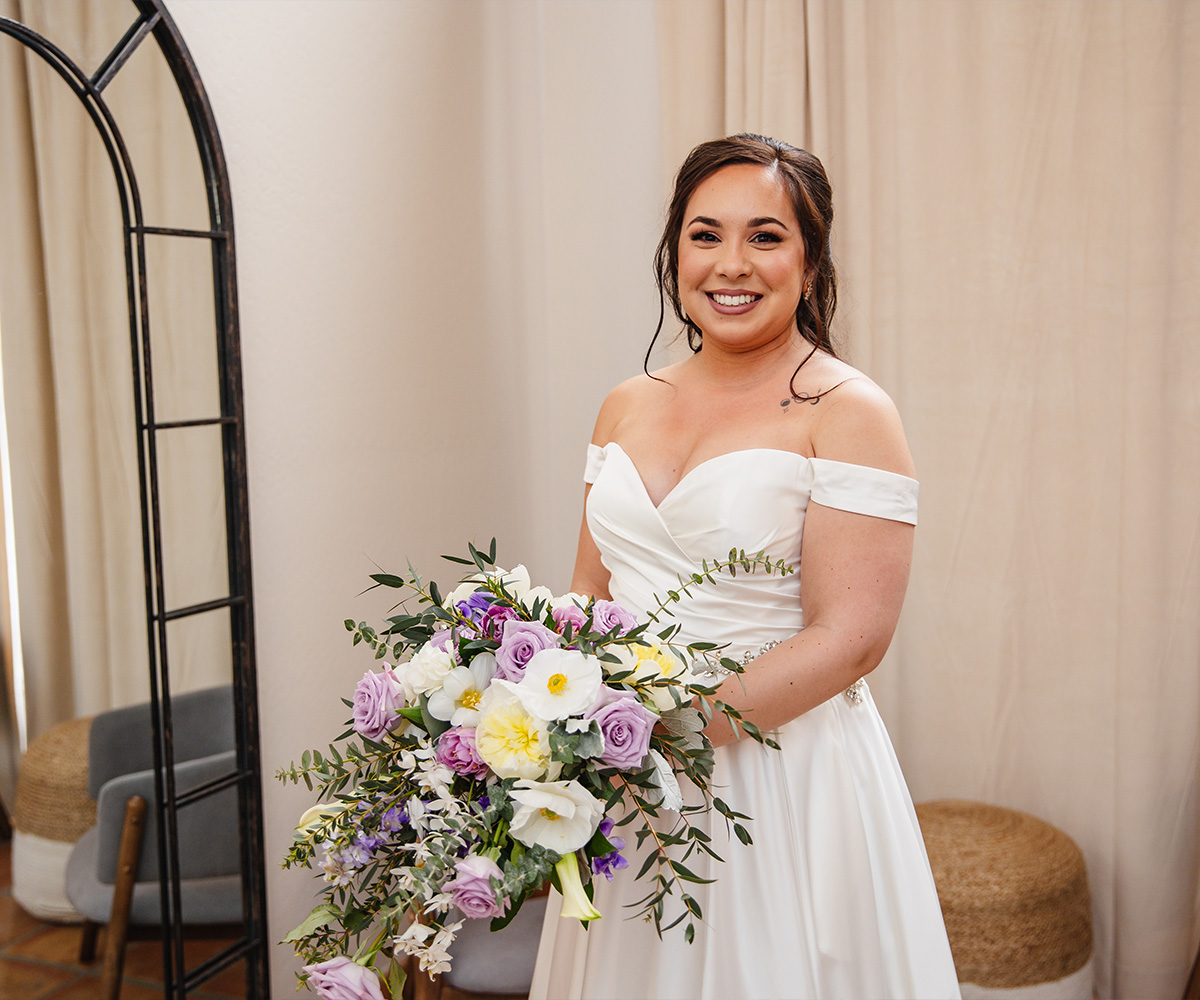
(424,987)
(87,943)
(118,924)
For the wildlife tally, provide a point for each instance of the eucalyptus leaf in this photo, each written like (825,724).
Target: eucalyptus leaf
(321,916)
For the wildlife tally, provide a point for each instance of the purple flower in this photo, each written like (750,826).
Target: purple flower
(342,978)
(609,614)
(394,819)
(472,890)
(573,614)
(606,864)
(475,606)
(521,640)
(494,618)
(352,857)
(378,699)
(625,724)
(456,749)
(369,841)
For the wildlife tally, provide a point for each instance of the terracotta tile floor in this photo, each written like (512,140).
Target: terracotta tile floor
(40,961)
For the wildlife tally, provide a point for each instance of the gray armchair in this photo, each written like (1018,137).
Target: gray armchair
(112,873)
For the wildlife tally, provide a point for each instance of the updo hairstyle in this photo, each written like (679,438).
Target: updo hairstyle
(808,187)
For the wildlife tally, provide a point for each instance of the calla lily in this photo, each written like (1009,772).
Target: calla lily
(575,902)
(314,816)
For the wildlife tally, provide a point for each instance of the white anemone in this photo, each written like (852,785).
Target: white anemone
(559,683)
(559,815)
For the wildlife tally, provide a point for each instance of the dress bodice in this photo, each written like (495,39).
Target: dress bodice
(753,499)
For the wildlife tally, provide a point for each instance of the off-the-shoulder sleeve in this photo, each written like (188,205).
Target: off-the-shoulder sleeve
(595,459)
(863,490)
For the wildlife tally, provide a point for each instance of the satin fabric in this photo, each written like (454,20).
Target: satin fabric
(835,898)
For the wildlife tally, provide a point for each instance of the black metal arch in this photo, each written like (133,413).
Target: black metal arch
(152,19)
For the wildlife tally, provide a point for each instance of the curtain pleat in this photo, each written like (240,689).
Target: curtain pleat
(1019,254)
(68,372)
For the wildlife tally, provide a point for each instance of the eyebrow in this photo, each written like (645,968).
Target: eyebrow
(765,220)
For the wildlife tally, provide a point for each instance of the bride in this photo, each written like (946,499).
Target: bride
(764,440)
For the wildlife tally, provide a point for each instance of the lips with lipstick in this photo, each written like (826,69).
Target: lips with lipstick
(732,303)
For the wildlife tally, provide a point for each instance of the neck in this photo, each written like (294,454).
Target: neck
(739,369)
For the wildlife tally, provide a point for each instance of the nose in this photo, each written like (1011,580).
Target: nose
(733,262)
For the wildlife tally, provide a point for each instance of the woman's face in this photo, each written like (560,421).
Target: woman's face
(741,257)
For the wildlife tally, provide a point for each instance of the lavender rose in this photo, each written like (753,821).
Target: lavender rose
(570,613)
(472,890)
(342,978)
(456,749)
(607,615)
(521,640)
(625,724)
(378,699)
(445,639)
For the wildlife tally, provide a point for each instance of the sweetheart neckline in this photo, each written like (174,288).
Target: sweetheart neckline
(708,461)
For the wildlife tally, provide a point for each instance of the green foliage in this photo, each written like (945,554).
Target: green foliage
(371,892)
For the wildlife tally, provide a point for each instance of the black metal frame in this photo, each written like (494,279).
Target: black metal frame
(152,19)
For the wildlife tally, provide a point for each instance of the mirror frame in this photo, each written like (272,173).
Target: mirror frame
(151,19)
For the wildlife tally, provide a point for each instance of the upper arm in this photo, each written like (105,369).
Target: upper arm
(855,566)
(590,575)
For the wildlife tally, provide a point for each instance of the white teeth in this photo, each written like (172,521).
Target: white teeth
(733,300)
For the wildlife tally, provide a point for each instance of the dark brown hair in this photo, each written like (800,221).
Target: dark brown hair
(808,187)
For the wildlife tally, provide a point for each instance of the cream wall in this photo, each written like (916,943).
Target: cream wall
(445,217)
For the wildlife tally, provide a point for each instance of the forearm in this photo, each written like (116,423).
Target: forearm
(797,675)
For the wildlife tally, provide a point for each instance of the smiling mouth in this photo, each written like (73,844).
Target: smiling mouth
(744,299)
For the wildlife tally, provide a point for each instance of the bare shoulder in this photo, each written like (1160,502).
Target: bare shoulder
(861,425)
(631,399)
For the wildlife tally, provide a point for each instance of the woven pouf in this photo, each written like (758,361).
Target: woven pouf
(1014,894)
(52,812)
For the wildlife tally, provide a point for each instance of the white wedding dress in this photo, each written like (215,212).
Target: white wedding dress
(834,899)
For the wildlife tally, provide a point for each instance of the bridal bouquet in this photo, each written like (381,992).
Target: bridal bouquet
(508,738)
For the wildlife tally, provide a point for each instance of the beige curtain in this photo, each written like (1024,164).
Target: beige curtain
(1019,242)
(67,371)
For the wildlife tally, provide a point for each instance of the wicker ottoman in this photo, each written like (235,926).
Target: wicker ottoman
(52,812)
(1015,898)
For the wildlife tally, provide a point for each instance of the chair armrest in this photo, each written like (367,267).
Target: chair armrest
(121,740)
(208,828)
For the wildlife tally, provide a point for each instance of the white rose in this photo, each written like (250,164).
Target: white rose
(515,580)
(535,594)
(426,671)
(461,592)
(560,815)
(569,600)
